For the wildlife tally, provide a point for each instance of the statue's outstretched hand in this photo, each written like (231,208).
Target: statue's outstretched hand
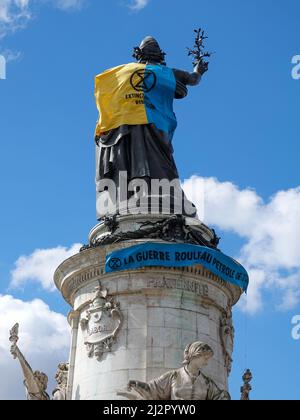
(201,67)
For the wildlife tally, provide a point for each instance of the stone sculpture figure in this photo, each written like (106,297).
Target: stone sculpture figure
(134,135)
(186,383)
(61,377)
(227,338)
(35,382)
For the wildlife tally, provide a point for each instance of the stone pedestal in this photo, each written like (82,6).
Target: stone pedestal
(158,311)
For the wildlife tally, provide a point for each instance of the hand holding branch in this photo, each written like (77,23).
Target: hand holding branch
(198,53)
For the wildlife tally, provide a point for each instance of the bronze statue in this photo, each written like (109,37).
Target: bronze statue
(186,383)
(126,141)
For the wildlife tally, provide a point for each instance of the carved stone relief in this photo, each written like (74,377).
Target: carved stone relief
(101,323)
(227,338)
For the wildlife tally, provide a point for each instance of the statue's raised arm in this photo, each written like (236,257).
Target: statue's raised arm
(35,382)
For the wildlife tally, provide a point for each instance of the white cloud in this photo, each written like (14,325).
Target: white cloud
(138,4)
(44,341)
(10,9)
(271,231)
(15,14)
(40,266)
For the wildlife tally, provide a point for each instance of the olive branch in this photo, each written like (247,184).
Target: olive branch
(197,52)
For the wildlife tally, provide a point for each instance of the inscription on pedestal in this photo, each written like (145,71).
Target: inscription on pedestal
(180,284)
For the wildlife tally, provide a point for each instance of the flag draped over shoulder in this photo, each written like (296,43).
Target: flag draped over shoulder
(135,94)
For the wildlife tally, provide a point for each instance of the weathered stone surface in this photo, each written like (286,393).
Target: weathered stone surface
(163,310)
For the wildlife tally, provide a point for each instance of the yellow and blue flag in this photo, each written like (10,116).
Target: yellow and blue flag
(134,94)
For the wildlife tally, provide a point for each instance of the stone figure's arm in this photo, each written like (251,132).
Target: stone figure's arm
(30,381)
(141,388)
(222,396)
(215,393)
(161,388)
(158,389)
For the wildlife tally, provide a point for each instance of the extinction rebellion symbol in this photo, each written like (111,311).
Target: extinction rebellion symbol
(143,80)
(114,263)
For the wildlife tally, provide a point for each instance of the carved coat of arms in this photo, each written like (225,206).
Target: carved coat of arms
(101,323)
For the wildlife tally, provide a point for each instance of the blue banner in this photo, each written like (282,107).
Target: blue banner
(178,255)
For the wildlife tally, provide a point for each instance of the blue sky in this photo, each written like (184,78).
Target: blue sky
(238,134)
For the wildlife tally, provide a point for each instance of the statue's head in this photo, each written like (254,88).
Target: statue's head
(149,51)
(42,379)
(199,352)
